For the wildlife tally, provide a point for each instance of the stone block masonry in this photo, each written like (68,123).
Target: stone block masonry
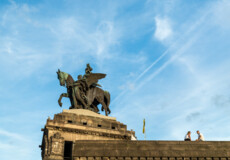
(85,135)
(152,150)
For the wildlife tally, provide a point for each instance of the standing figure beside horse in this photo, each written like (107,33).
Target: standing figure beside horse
(85,92)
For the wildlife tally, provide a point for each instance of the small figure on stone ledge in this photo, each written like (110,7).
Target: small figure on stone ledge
(200,136)
(188,136)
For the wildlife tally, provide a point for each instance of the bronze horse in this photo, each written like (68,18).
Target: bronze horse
(80,99)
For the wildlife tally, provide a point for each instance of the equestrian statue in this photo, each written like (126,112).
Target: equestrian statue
(85,93)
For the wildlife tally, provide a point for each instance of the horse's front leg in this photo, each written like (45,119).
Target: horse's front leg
(60,98)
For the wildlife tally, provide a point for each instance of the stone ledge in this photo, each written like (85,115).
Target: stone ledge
(86,112)
(151,148)
(104,133)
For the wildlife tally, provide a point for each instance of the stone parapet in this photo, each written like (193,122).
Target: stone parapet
(85,135)
(153,150)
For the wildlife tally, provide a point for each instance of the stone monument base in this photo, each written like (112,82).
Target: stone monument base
(61,133)
(84,135)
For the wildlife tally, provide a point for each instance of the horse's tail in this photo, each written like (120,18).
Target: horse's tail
(107,99)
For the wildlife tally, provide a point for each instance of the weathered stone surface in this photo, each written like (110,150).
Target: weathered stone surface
(162,149)
(113,158)
(149,158)
(87,113)
(90,136)
(78,124)
(157,158)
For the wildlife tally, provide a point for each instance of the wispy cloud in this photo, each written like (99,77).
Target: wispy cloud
(194,102)
(163,29)
(17,143)
(11,135)
(67,38)
(170,64)
(175,49)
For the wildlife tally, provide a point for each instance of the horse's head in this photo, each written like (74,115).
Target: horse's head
(62,77)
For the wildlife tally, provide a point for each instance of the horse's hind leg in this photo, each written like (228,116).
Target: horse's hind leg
(105,107)
(94,106)
(101,100)
(109,110)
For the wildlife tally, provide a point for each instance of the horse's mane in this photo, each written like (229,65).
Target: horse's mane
(69,80)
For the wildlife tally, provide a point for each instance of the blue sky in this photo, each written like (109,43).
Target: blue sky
(166,61)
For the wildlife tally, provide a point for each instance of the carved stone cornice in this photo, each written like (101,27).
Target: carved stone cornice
(88,132)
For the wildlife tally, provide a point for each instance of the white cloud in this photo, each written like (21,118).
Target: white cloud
(75,40)
(163,29)
(55,43)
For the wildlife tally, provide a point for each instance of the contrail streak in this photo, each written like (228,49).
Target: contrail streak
(171,47)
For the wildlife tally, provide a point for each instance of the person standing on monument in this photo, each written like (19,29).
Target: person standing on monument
(188,136)
(200,136)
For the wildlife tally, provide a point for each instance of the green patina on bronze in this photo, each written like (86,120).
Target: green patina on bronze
(62,76)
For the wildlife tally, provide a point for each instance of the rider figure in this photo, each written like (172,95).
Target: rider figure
(88,71)
(81,83)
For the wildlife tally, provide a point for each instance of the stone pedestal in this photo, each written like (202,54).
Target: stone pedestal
(84,135)
(62,133)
